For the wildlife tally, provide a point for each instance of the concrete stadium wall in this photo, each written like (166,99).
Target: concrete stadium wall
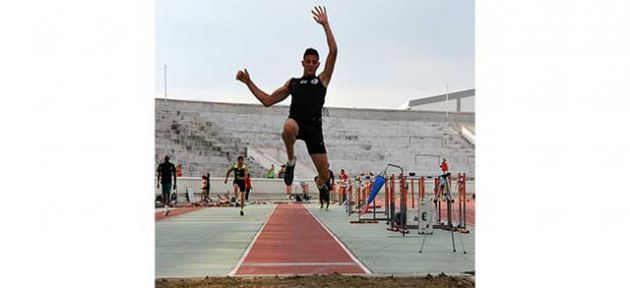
(467,104)
(350,113)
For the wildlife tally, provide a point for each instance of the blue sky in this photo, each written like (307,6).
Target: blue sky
(389,51)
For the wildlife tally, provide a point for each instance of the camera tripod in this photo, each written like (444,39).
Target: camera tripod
(445,188)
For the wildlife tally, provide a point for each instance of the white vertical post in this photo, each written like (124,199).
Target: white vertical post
(445,150)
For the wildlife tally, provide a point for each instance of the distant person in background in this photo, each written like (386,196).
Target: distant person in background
(343,182)
(444,166)
(166,171)
(178,169)
(324,196)
(330,183)
(240,170)
(445,178)
(248,185)
(205,188)
(304,187)
(271,172)
(282,170)
(289,190)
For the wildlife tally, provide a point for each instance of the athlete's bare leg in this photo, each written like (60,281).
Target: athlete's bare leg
(321,163)
(289,135)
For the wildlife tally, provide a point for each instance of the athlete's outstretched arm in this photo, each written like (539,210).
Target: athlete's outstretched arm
(320,15)
(228,174)
(264,98)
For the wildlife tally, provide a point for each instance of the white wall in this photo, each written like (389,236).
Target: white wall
(467,105)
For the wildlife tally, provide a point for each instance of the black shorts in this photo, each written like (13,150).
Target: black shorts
(312,136)
(241,185)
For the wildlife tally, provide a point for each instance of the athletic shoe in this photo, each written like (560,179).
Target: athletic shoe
(166,211)
(289,196)
(288,174)
(321,208)
(242,214)
(324,190)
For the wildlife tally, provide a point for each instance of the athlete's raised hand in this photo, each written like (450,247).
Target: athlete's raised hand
(243,76)
(321,17)
(319,14)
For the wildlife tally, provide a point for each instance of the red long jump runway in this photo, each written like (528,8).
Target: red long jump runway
(293,241)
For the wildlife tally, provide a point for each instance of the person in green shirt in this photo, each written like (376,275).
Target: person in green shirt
(271,173)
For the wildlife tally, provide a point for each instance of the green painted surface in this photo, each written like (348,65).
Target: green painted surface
(385,252)
(207,242)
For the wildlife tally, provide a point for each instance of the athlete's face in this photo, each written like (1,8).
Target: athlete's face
(310,64)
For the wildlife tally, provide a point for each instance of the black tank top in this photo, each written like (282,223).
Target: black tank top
(240,172)
(307,99)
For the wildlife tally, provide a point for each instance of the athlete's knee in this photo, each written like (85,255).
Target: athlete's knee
(290,128)
(323,174)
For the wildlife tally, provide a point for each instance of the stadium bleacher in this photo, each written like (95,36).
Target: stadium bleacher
(208,136)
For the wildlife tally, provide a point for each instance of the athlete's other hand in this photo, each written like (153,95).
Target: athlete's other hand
(243,76)
(320,15)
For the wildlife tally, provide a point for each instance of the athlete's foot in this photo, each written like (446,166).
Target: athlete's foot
(321,208)
(288,173)
(166,211)
(326,208)
(242,214)
(323,191)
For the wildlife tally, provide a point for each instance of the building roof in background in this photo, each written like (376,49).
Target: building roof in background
(440,98)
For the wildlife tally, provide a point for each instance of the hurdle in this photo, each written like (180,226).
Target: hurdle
(410,188)
(442,189)
(461,191)
(349,203)
(372,209)
(436,198)
(402,226)
(440,196)
(421,189)
(406,187)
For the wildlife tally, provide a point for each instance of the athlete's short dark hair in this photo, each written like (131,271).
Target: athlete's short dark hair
(240,158)
(310,51)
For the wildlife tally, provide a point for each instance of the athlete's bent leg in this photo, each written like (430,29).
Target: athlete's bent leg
(242,201)
(289,135)
(235,188)
(321,164)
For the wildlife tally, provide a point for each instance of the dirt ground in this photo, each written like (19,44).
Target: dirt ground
(334,280)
